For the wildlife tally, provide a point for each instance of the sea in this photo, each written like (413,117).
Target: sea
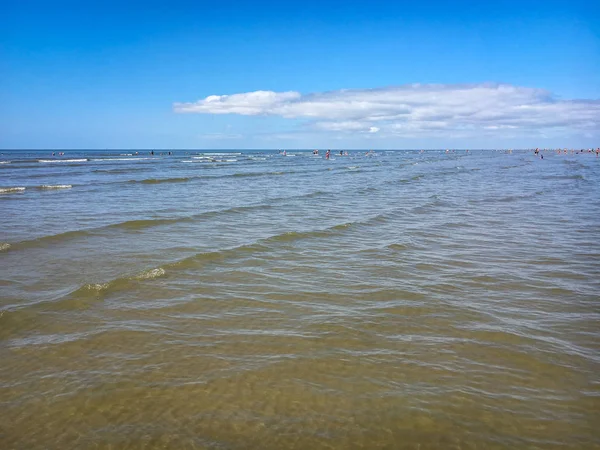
(267,300)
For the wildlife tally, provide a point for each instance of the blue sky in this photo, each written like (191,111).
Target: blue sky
(308,74)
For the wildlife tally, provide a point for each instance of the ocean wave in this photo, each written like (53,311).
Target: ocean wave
(120,159)
(396,246)
(222,154)
(55,186)
(250,174)
(95,286)
(564,177)
(51,238)
(150,274)
(85,295)
(263,245)
(5,162)
(510,167)
(140,224)
(4,246)
(406,180)
(161,180)
(143,223)
(122,170)
(506,199)
(11,190)
(62,160)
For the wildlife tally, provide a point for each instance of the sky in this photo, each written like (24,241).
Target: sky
(291,74)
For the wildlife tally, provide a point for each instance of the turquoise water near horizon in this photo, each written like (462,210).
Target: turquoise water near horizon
(246,299)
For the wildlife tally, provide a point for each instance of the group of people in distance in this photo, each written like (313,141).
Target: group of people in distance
(564,151)
(328,153)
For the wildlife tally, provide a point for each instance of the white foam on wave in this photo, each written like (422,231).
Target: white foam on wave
(4,162)
(56,186)
(149,274)
(62,160)
(222,154)
(96,286)
(4,246)
(120,159)
(11,189)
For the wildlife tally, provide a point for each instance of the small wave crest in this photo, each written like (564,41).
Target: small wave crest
(121,170)
(11,189)
(62,160)
(161,180)
(4,246)
(86,294)
(564,177)
(119,159)
(97,287)
(144,223)
(150,274)
(55,186)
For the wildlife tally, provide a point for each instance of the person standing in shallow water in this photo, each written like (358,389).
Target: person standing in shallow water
(327,154)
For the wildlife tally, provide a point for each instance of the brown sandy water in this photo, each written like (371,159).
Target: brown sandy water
(254,301)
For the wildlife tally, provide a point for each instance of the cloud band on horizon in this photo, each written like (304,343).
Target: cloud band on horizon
(444,110)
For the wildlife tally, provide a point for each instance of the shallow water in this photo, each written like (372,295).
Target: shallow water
(249,300)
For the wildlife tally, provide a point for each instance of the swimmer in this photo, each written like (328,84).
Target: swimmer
(327,154)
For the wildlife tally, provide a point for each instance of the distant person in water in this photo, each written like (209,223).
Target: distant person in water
(152,152)
(341,153)
(327,154)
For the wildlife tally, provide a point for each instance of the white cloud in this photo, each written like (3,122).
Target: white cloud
(416,109)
